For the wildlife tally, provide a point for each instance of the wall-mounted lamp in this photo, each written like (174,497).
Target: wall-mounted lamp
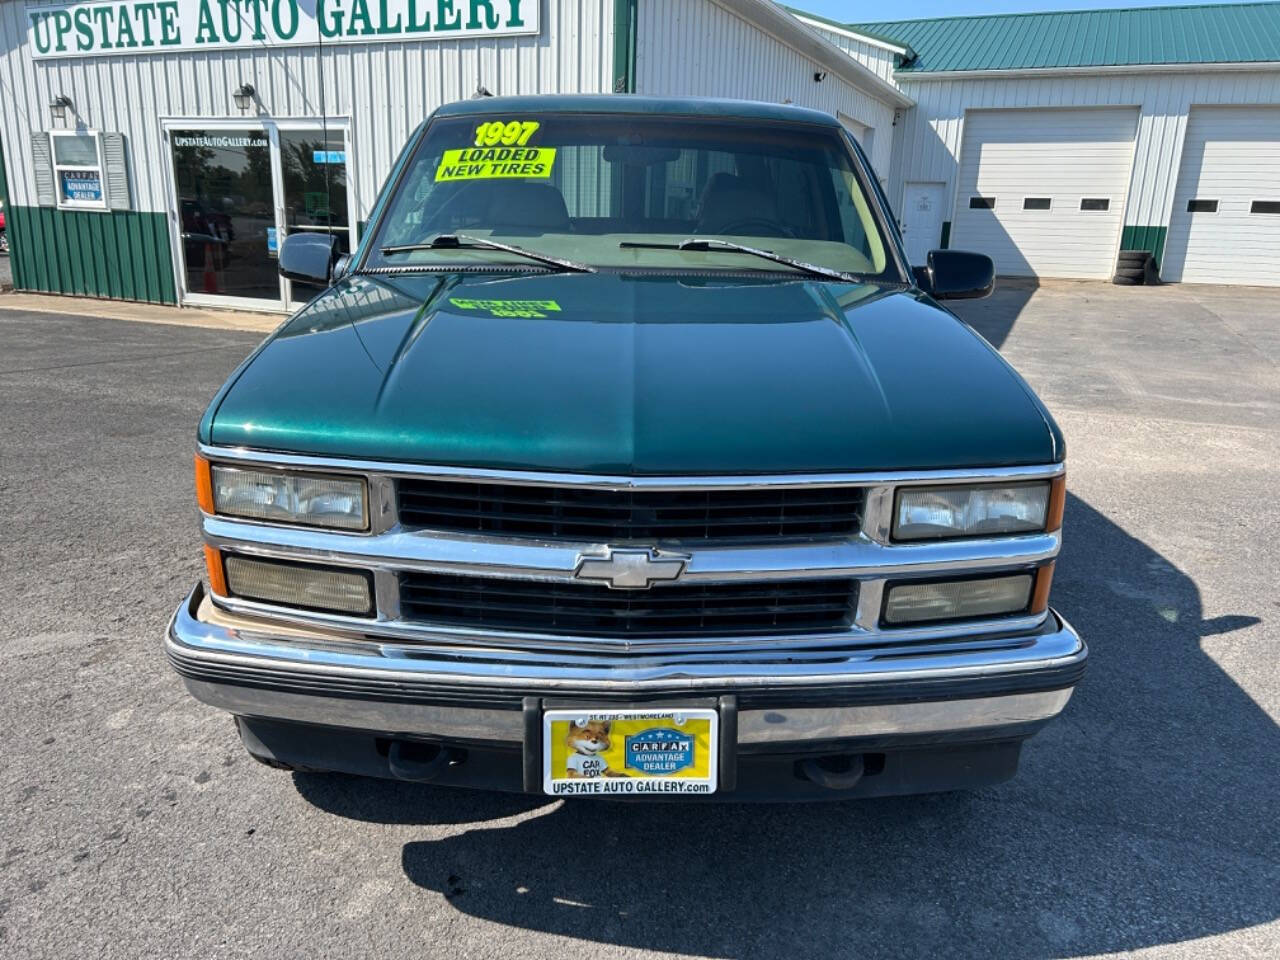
(819,76)
(244,96)
(58,105)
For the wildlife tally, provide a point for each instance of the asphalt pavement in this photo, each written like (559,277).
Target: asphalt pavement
(1143,821)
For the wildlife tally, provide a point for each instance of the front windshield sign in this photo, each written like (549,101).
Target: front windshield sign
(500,151)
(633,191)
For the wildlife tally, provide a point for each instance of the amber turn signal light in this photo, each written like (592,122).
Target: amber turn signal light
(204,484)
(213,566)
(1040,598)
(1057,502)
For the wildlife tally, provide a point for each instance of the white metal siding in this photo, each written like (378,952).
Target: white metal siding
(875,58)
(386,88)
(1059,155)
(698,48)
(928,137)
(1231,155)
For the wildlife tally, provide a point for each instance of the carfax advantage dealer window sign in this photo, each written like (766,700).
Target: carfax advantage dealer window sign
(164,26)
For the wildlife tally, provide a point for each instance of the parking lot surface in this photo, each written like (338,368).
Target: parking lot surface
(132,823)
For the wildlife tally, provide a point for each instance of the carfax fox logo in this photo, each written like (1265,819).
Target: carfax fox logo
(587,740)
(660,751)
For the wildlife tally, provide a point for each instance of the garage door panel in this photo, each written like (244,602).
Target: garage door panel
(1231,155)
(1061,154)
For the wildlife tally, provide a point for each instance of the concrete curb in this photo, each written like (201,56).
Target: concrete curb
(142,312)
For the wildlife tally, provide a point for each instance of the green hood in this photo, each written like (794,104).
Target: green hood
(604,373)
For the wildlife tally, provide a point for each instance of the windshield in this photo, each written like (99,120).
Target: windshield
(624,191)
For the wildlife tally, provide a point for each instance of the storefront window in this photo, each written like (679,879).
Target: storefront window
(241,191)
(77,170)
(224,183)
(313,167)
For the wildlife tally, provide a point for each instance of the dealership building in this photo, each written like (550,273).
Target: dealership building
(160,150)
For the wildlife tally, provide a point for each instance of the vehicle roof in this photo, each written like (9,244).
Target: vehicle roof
(631,104)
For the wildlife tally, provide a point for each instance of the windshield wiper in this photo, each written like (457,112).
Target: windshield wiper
(460,241)
(729,247)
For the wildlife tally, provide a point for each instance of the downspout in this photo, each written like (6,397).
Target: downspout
(4,181)
(624,46)
(8,214)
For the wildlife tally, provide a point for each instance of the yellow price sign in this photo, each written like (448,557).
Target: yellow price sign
(495,163)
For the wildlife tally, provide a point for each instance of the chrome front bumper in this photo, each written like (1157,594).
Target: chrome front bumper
(255,668)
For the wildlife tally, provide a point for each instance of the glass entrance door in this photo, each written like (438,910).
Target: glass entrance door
(313,164)
(226,212)
(240,188)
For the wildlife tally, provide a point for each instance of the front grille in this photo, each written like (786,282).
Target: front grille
(592,610)
(614,516)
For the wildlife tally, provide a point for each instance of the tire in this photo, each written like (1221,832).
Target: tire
(1134,256)
(1131,273)
(273,763)
(1125,281)
(269,761)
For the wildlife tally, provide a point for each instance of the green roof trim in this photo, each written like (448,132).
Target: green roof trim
(1135,36)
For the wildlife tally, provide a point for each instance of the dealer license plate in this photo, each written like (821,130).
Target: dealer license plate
(630,753)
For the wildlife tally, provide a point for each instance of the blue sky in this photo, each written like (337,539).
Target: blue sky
(860,11)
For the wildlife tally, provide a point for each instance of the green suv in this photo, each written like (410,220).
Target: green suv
(627,456)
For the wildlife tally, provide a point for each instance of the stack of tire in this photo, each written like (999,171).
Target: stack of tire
(1135,268)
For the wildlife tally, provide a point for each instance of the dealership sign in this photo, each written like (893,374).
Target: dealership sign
(166,26)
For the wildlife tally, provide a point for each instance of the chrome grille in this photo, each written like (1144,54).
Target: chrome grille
(665,610)
(613,516)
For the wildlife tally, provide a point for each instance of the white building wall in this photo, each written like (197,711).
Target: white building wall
(386,88)
(699,48)
(930,136)
(880,60)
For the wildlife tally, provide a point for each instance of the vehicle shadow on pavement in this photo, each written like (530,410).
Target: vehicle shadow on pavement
(995,316)
(1145,815)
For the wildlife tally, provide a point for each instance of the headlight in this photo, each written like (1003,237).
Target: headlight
(309,499)
(957,599)
(937,513)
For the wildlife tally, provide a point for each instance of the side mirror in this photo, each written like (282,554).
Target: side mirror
(957,275)
(309,257)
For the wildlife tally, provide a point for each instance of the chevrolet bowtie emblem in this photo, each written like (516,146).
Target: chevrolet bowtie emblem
(631,569)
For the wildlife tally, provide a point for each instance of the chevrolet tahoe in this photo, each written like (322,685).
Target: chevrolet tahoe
(628,456)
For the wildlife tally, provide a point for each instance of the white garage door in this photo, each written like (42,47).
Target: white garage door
(1042,191)
(1225,226)
(861,132)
